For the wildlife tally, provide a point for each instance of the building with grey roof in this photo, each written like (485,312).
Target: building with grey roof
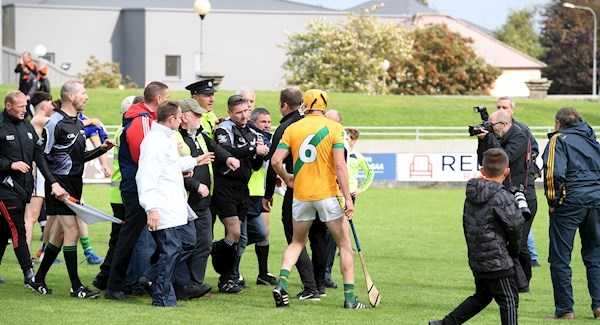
(242,40)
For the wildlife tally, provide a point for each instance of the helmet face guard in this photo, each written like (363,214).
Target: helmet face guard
(315,100)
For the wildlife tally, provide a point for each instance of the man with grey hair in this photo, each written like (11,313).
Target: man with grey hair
(572,188)
(66,155)
(508,105)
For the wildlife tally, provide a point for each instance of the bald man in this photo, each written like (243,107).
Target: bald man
(514,140)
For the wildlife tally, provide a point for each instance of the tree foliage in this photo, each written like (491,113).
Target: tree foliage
(443,62)
(568,36)
(104,74)
(347,56)
(518,32)
(350,57)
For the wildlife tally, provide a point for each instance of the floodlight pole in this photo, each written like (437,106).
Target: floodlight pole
(595,47)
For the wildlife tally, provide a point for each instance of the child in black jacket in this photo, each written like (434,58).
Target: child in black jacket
(491,223)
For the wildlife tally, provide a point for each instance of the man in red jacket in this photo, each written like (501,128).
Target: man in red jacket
(136,124)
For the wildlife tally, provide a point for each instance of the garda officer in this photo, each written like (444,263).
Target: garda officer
(203,92)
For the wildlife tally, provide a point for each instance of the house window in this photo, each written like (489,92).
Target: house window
(173,66)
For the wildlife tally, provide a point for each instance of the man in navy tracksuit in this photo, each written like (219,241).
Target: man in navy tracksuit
(572,187)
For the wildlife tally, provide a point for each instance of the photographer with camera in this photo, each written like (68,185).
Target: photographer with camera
(500,132)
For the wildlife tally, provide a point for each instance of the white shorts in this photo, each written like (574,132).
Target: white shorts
(38,188)
(328,209)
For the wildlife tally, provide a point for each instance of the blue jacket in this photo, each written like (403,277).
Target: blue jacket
(572,167)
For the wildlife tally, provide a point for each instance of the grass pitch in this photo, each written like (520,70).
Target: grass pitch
(365,110)
(415,252)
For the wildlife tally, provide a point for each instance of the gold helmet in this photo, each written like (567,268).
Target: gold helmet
(315,99)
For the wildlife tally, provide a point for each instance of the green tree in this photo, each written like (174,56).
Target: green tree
(443,62)
(519,33)
(346,56)
(567,35)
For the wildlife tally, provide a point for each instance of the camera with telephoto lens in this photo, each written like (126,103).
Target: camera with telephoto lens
(485,126)
(519,194)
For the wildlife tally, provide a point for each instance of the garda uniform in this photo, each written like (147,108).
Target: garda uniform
(209,120)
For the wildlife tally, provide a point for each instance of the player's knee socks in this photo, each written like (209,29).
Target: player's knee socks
(262,255)
(70,253)
(86,244)
(283,278)
(50,254)
(348,291)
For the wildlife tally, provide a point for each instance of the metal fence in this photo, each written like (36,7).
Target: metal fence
(414,132)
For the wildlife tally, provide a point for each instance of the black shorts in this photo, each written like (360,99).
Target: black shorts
(73,185)
(230,199)
(255,208)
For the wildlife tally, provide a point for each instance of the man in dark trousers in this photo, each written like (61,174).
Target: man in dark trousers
(137,122)
(20,146)
(231,195)
(290,102)
(515,142)
(492,227)
(189,278)
(572,187)
(508,105)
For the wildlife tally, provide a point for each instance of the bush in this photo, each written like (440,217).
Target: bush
(443,62)
(104,74)
(350,56)
(346,57)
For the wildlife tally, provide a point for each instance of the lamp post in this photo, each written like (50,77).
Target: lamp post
(572,6)
(202,8)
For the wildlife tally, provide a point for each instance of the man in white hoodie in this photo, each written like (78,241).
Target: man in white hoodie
(162,195)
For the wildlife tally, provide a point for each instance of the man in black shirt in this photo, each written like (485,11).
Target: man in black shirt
(290,101)
(65,153)
(20,146)
(230,198)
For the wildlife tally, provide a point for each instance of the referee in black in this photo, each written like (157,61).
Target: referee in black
(20,146)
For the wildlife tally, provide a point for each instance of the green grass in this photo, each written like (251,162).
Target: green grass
(415,252)
(368,110)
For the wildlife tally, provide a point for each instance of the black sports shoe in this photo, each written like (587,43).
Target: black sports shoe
(266,280)
(230,286)
(100,281)
(84,293)
(241,282)
(281,297)
(354,304)
(322,291)
(308,295)
(329,283)
(38,287)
